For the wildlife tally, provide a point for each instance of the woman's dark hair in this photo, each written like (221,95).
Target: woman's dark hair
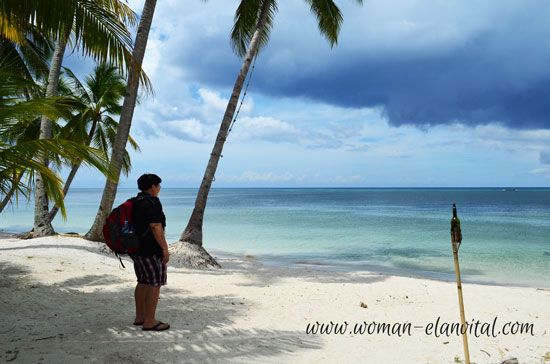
(147,180)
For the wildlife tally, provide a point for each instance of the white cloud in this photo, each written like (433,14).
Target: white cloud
(199,118)
(212,100)
(152,61)
(189,129)
(265,128)
(542,171)
(212,106)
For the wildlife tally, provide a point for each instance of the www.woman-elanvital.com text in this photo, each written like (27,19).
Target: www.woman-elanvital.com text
(437,328)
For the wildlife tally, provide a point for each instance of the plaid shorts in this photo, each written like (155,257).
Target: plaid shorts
(149,270)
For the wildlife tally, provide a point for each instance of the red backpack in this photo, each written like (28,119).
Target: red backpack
(119,230)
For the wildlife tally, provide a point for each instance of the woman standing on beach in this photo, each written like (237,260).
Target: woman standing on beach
(151,259)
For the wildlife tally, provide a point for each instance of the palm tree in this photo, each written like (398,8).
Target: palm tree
(19,146)
(100,96)
(100,31)
(18,133)
(18,127)
(253,22)
(25,53)
(123,131)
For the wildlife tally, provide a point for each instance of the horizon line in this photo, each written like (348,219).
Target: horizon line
(341,187)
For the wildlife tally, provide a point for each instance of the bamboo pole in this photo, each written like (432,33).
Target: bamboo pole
(456,240)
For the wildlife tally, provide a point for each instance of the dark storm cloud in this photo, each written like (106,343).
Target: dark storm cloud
(429,63)
(426,91)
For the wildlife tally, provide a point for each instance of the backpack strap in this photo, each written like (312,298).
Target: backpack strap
(118,256)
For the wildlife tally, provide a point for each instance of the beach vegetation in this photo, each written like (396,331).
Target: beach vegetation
(99,100)
(19,147)
(96,28)
(89,23)
(34,36)
(25,52)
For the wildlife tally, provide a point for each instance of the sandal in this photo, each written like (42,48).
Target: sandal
(160,326)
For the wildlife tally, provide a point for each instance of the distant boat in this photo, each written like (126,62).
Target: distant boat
(509,189)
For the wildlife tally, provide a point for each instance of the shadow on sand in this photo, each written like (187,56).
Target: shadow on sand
(65,325)
(258,275)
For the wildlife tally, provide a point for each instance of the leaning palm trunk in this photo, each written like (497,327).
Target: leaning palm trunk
(189,249)
(42,224)
(72,173)
(123,130)
(6,200)
(70,177)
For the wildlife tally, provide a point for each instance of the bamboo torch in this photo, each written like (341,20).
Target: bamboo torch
(456,240)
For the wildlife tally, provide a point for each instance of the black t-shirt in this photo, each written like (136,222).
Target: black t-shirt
(146,211)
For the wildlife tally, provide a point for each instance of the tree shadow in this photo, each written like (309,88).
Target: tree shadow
(260,275)
(91,281)
(62,323)
(93,248)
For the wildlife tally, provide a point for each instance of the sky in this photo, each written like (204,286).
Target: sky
(417,93)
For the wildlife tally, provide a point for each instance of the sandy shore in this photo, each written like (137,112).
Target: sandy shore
(61,301)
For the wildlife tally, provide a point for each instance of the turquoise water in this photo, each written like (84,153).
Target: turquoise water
(399,231)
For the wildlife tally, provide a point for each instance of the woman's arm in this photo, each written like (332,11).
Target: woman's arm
(158,233)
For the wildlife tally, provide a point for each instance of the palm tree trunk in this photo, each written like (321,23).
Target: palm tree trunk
(123,130)
(70,177)
(72,174)
(42,224)
(6,200)
(191,238)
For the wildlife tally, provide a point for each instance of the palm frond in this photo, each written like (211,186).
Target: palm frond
(53,108)
(78,88)
(22,130)
(126,164)
(11,59)
(25,156)
(35,55)
(329,18)
(133,144)
(49,16)
(75,129)
(103,140)
(10,30)
(127,15)
(99,27)
(246,21)
(100,34)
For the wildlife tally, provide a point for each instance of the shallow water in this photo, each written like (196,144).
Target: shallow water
(400,231)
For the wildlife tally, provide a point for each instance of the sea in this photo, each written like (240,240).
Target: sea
(399,231)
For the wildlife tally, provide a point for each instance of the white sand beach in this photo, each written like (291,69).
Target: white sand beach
(62,301)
